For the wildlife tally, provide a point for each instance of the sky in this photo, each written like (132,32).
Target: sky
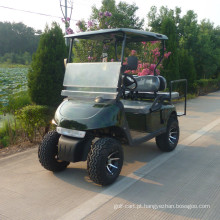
(82,10)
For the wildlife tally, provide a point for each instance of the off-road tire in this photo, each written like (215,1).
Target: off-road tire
(97,161)
(168,141)
(47,153)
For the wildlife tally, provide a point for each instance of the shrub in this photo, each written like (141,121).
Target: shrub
(204,86)
(34,119)
(7,133)
(17,101)
(45,76)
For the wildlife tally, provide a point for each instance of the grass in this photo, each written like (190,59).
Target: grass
(17,101)
(11,65)
(8,132)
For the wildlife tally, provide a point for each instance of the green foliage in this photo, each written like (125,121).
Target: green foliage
(201,41)
(8,132)
(171,66)
(206,64)
(17,43)
(17,101)
(13,58)
(204,86)
(45,76)
(17,38)
(156,19)
(123,15)
(33,119)
(12,80)
(186,68)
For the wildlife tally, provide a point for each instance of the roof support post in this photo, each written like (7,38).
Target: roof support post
(161,57)
(123,49)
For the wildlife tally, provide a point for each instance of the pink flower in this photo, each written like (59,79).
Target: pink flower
(146,65)
(112,60)
(153,42)
(140,66)
(68,19)
(143,43)
(90,58)
(144,72)
(108,14)
(100,14)
(152,67)
(157,54)
(166,55)
(69,31)
(133,52)
(90,24)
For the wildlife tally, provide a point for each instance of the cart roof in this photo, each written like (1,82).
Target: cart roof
(133,35)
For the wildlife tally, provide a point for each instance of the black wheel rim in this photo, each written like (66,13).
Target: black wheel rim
(173,136)
(112,165)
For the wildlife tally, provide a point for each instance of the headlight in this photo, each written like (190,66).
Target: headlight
(70,132)
(53,122)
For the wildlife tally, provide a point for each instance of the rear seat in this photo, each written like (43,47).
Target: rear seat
(147,86)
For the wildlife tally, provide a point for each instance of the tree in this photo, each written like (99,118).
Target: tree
(45,76)
(123,15)
(155,19)
(171,66)
(187,68)
(109,15)
(207,52)
(188,31)
(17,38)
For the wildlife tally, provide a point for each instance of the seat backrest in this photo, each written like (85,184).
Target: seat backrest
(147,83)
(163,83)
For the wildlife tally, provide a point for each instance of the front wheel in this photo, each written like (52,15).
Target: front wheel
(48,153)
(168,141)
(105,161)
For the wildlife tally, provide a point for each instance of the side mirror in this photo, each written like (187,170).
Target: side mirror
(132,63)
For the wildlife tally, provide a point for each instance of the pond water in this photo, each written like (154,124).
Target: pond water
(12,80)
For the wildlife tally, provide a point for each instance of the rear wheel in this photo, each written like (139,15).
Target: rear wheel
(168,141)
(48,153)
(105,161)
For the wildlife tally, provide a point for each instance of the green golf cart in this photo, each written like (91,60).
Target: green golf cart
(104,107)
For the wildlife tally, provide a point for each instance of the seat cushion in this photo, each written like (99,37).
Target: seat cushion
(139,107)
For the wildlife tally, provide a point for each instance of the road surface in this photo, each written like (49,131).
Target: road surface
(183,184)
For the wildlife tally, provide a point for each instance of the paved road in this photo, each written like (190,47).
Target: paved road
(184,184)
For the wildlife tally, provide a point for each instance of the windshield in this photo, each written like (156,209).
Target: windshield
(92,79)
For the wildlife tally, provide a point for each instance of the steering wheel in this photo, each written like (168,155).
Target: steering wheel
(128,81)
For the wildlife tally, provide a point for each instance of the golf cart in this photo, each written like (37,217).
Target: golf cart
(104,107)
